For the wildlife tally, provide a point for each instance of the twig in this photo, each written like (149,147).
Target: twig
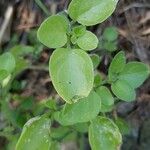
(42,6)
(28,26)
(39,68)
(134,5)
(6,22)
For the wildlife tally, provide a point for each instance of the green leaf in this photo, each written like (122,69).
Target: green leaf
(110,46)
(83,111)
(123,91)
(59,133)
(88,41)
(73,39)
(79,30)
(71,71)
(106,108)
(97,80)
(89,13)
(105,95)
(52,32)
(107,100)
(104,135)
(116,66)
(135,73)
(81,127)
(21,50)
(51,104)
(6,81)
(3,75)
(55,145)
(7,62)
(96,60)
(123,126)
(110,34)
(21,64)
(35,135)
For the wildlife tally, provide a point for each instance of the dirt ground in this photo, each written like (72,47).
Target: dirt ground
(132,19)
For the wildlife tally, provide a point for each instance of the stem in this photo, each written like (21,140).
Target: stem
(42,6)
(68,43)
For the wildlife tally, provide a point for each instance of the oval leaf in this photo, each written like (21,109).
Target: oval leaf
(135,73)
(107,99)
(79,30)
(83,111)
(96,60)
(71,71)
(97,80)
(91,12)
(105,95)
(104,135)
(116,66)
(52,32)
(35,135)
(7,62)
(88,41)
(110,34)
(123,90)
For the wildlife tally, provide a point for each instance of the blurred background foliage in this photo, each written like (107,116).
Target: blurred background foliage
(31,92)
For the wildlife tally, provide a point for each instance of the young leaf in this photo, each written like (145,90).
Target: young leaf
(116,66)
(110,34)
(71,71)
(7,62)
(88,41)
(105,95)
(97,80)
(52,32)
(104,135)
(96,60)
(135,73)
(123,90)
(35,135)
(79,30)
(83,111)
(89,13)
(73,39)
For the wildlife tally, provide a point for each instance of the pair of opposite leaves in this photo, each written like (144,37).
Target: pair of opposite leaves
(125,78)
(53,31)
(36,135)
(71,70)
